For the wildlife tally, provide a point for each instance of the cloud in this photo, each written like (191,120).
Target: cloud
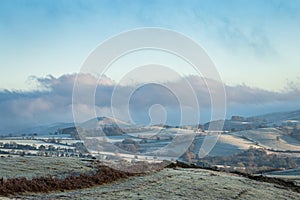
(53,102)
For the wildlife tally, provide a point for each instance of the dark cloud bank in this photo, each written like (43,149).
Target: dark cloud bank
(53,103)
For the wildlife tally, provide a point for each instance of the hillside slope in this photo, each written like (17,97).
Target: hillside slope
(271,138)
(279,117)
(178,184)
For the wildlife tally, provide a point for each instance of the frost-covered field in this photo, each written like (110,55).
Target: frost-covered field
(30,167)
(271,138)
(37,143)
(169,183)
(290,174)
(178,184)
(233,142)
(237,141)
(226,145)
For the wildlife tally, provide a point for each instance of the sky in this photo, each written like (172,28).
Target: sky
(254,44)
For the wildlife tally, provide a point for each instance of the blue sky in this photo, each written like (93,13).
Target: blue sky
(251,42)
(254,44)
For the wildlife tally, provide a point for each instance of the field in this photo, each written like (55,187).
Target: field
(30,167)
(171,183)
(226,145)
(271,138)
(178,184)
(290,174)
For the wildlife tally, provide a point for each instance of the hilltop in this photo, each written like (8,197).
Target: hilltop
(92,180)
(178,183)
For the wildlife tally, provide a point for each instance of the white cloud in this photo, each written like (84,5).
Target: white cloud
(54,103)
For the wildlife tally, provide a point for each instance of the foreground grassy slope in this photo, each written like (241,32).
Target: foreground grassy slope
(29,167)
(169,183)
(178,184)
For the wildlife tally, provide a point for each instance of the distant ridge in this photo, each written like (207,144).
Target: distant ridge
(237,122)
(281,116)
(103,121)
(242,123)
